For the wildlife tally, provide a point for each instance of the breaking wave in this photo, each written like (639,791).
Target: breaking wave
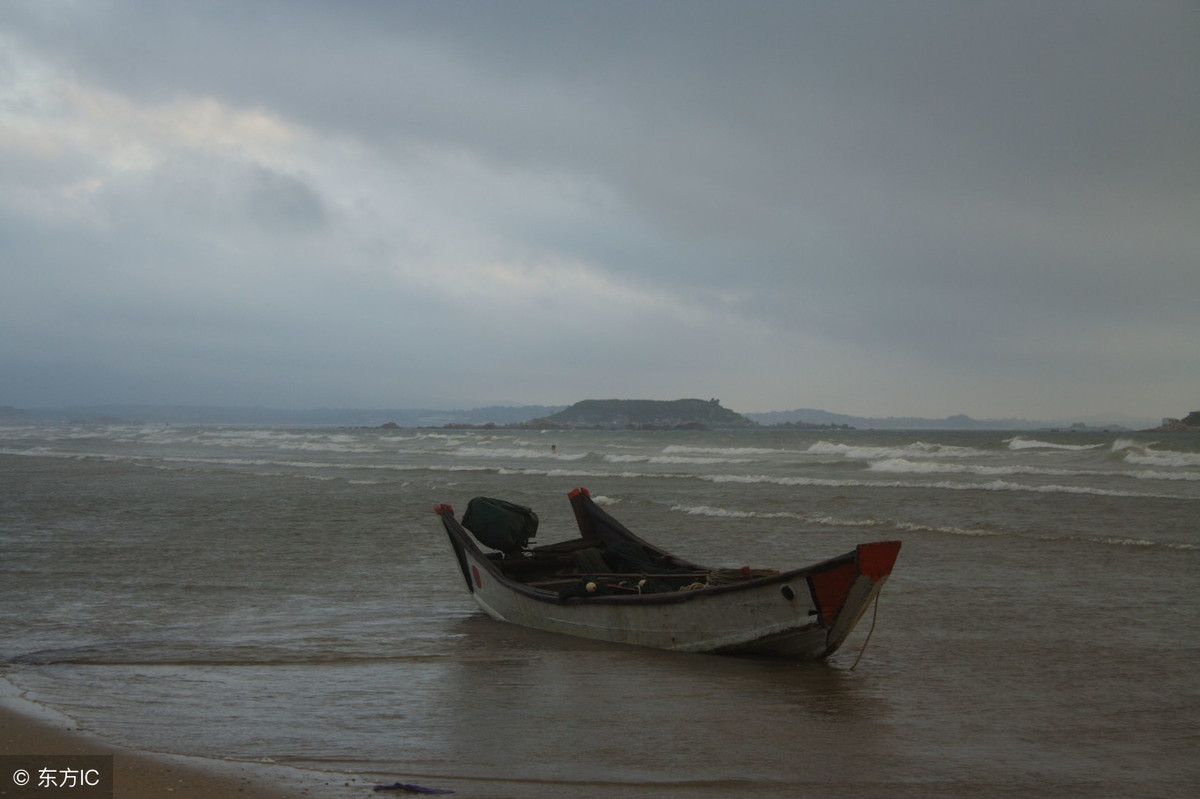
(673,459)
(917,449)
(1020,442)
(724,451)
(832,521)
(1144,454)
(994,485)
(905,466)
(1165,458)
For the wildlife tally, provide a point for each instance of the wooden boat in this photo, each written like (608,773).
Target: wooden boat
(610,585)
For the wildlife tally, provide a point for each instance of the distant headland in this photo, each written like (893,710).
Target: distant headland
(614,414)
(1188,424)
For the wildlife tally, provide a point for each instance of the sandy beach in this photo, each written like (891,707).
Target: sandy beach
(138,774)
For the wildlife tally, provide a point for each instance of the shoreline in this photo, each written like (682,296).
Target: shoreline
(149,775)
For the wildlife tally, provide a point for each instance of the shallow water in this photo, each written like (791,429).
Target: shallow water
(288,594)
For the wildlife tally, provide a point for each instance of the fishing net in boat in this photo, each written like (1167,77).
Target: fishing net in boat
(727,576)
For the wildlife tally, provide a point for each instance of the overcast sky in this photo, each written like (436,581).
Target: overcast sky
(876,208)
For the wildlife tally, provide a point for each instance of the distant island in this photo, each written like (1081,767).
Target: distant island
(613,414)
(681,414)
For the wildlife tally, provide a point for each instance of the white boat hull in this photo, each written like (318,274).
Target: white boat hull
(806,613)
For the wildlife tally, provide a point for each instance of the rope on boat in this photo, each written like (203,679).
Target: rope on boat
(874,616)
(727,576)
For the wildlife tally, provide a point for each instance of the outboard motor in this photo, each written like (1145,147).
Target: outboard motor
(500,525)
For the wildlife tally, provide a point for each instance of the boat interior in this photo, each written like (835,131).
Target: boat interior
(582,567)
(606,559)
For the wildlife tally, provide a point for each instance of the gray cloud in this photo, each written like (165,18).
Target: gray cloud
(881,208)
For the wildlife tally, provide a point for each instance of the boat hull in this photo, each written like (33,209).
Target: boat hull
(805,613)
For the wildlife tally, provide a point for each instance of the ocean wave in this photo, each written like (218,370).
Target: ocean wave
(912,527)
(588,473)
(808,518)
(1164,457)
(994,485)
(725,513)
(332,446)
(241,658)
(1142,453)
(273,467)
(36,452)
(917,449)
(723,451)
(672,459)
(275,439)
(905,466)
(1149,475)
(1020,442)
(515,453)
(1104,540)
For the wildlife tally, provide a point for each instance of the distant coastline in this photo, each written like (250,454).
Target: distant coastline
(499,416)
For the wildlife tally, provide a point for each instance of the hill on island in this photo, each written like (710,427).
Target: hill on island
(644,415)
(1188,424)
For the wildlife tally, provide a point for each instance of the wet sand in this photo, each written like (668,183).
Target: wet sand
(139,775)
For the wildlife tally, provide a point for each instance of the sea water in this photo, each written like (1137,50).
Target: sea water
(287,595)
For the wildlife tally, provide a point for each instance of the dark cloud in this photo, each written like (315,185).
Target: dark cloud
(984,197)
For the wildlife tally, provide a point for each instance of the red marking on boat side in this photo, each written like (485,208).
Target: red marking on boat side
(476,575)
(876,560)
(830,589)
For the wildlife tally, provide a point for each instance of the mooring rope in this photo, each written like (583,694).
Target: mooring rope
(870,632)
